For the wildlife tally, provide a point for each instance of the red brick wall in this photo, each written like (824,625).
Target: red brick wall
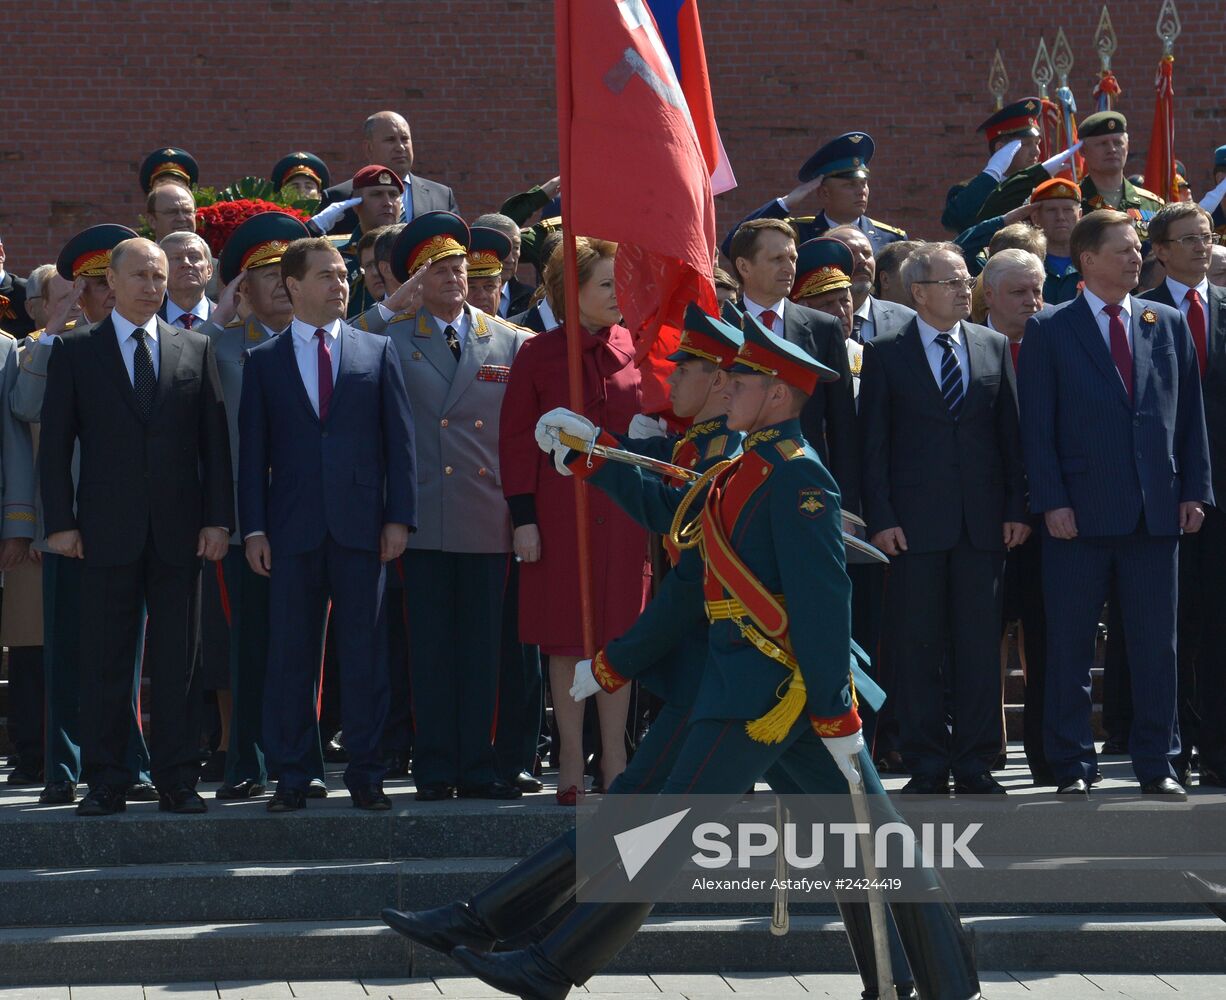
(90,86)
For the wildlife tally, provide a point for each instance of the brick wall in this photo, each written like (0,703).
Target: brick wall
(90,86)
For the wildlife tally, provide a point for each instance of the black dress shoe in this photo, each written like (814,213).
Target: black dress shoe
(214,768)
(1115,747)
(182,800)
(525,782)
(523,974)
(60,793)
(396,765)
(317,789)
(371,798)
(979,784)
(286,800)
(927,784)
(1166,787)
(105,800)
(247,789)
(1211,778)
(141,791)
(22,776)
(891,762)
(434,792)
(442,929)
(1077,786)
(496,789)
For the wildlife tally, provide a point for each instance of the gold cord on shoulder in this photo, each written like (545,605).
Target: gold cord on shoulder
(686,535)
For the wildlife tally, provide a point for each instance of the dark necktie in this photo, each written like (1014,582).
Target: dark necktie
(1196,322)
(767,318)
(951,375)
(1120,352)
(144,381)
(186,320)
(323,358)
(856,323)
(453,341)
(1015,347)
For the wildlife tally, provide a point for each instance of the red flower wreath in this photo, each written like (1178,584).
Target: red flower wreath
(217,221)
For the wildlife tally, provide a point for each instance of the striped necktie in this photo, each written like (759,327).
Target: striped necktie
(951,375)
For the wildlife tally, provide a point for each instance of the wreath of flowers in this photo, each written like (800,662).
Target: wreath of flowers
(216,222)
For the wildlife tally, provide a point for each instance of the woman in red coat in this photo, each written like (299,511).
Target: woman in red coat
(542,505)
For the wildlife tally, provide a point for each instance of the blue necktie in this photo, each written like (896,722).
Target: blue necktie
(951,375)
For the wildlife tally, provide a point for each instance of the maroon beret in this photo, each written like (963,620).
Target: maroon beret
(376,176)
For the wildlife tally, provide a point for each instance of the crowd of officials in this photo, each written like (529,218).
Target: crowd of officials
(297,483)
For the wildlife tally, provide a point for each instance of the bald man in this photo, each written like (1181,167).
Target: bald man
(387,139)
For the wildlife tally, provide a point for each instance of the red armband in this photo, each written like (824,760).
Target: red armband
(840,725)
(608,678)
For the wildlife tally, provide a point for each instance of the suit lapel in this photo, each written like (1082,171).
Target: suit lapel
(1217,326)
(980,362)
(1142,349)
(472,357)
(1162,293)
(112,360)
(433,346)
(1085,329)
(348,341)
(913,345)
(289,363)
(170,347)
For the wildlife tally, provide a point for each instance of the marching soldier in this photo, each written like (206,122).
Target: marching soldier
(1013,145)
(839,173)
(456,361)
(305,173)
(83,261)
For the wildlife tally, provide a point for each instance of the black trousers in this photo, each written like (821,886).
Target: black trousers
(398,733)
(1024,586)
(1202,643)
(947,616)
(26,715)
(113,600)
(521,691)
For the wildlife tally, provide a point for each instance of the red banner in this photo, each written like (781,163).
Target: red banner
(1160,163)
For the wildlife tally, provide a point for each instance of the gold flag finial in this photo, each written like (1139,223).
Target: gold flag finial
(1062,57)
(998,80)
(1168,26)
(1041,69)
(1105,41)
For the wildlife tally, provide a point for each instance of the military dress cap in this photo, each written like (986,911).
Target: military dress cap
(822,265)
(763,353)
(259,242)
(428,238)
(487,249)
(1102,123)
(1054,189)
(375,175)
(1016,119)
(846,156)
(88,254)
(1219,158)
(704,336)
(300,164)
(169,162)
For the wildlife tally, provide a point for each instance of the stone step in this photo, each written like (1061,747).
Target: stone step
(280,950)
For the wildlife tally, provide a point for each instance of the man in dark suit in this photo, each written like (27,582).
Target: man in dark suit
(324,409)
(13,315)
(1182,238)
(763,251)
(386,139)
(143,401)
(944,497)
(872,316)
(1118,463)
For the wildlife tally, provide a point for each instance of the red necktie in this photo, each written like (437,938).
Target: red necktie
(1120,353)
(1015,347)
(186,320)
(767,318)
(324,361)
(1196,322)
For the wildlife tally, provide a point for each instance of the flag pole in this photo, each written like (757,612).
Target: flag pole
(574,354)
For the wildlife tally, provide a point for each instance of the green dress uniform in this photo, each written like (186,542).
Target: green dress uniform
(963,201)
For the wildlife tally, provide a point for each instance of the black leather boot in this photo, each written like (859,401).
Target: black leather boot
(859,926)
(1209,893)
(940,953)
(583,944)
(519,899)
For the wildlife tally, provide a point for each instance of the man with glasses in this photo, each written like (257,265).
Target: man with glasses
(1182,240)
(944,497)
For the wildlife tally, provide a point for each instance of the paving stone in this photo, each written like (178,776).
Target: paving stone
(622,984)
(254,989)
(35,993)
(706,985)
(465,987)
(401,989)
(776,984)
(832,985)
(341,989)
(125,991)
(1196,986)
(1134,987)
(1001,986)
(1057,985)
(181,991)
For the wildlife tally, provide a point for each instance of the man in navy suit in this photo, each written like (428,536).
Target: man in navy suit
(324,410)
(1113,432)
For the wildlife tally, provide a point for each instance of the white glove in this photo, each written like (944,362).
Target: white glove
(566,421)
(1213,198)
(331,215)
(845,750)
(643,426)
(1058,162)
(585,681)
(999,161)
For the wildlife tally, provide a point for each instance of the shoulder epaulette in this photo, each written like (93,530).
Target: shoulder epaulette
(802,218)
(888,228)
(7,334)
(35,334)
(234,322)
(1148,194)
(790,449)
(400,317)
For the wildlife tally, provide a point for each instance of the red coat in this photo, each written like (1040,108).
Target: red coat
(621,570)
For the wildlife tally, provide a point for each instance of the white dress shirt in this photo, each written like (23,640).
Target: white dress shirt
(461,325)
(1178,290)
(935,353)
(1097,306)
(777,308)
(868,329)
(306,352)
(174,315)
(504,300)
(127,345)
(548,320)
(406,199)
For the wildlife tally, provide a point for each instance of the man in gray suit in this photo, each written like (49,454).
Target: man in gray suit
(457,361)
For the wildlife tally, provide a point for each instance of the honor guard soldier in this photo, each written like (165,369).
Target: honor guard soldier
(457,362)
(169,166)
(1104,146)
(487,249)
(305,173)
(83,261)
(1013,145)
(823,282)
(252,254)
(839,173)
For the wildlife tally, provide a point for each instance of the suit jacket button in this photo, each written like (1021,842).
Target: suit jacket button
(443,422)
(448,470)
(479,424)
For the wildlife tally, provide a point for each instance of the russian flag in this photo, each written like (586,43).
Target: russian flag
(681,33)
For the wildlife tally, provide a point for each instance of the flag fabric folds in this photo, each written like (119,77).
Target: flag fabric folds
(1160,163)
